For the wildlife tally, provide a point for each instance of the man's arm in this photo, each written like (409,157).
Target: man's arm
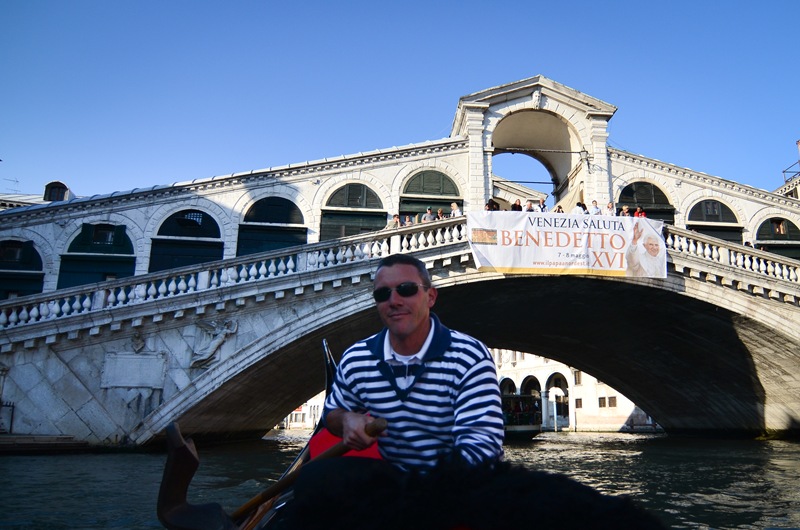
(478,428)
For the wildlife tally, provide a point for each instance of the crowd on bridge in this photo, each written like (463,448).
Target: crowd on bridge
(529,206)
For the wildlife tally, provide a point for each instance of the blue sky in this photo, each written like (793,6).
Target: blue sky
(111,95)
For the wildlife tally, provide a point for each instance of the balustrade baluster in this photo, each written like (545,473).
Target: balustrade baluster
(253,271)
(339,255)
(262,270)
(24,316)
(44,310)
(330,258)
(233,275)
(214,279)
(3,319)
(290,265)
(34,313)
(182,284)
(272,268)
(13,318)
(172,287)
(281,267)
(87,302)
(56,309)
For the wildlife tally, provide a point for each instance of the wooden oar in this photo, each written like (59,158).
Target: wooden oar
(373,429)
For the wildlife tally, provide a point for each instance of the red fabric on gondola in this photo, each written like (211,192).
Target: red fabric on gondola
(324,440)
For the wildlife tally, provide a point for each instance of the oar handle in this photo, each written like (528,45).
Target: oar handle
(373,429)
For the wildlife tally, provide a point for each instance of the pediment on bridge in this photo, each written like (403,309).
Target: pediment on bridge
(534,92)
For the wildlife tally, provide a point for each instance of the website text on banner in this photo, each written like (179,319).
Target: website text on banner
(553,243)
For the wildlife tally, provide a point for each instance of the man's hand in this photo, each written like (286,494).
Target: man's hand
(637,233)
(350,427)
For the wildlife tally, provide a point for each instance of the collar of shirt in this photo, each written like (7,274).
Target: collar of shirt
(392,357)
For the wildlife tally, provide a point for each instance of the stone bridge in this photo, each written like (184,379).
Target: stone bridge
(229,348)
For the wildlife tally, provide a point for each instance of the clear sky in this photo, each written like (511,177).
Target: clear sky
(112,95)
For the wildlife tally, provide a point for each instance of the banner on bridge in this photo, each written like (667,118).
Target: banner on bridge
(555,243)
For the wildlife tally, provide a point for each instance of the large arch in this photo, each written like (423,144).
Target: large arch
(542,135)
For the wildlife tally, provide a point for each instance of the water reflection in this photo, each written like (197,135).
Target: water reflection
(689,483)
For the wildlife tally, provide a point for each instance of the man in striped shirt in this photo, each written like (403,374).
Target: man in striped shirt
(437,388)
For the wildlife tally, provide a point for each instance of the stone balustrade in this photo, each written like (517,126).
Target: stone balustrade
(84,300)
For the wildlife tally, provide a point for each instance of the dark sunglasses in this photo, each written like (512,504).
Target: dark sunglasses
(405,290)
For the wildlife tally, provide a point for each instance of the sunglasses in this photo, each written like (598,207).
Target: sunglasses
(405,290)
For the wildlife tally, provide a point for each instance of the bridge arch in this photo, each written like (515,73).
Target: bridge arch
(546,136)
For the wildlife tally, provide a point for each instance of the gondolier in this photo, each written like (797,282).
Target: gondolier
(436,387)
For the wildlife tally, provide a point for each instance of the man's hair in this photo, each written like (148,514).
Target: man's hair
(405,259)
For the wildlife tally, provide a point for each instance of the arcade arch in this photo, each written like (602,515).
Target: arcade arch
(271,223)
(21,270)
(713,218)
(99,252)
(351,210)
(186,237)
(650,197)
(779,235)
(428,188)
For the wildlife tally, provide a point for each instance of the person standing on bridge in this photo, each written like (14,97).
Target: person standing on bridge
(436,387)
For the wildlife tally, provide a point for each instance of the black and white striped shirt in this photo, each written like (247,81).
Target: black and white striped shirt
(452,406)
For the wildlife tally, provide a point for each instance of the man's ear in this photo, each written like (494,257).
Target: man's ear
(433,294)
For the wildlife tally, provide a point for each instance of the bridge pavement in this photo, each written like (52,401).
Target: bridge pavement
(229,348)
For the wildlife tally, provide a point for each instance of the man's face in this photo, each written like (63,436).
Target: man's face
(404,316)
(651,246)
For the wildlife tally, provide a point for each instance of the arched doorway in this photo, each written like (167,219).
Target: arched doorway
(352,209)
(21,270)
(715,219)
(187,237)
(271,223)
(426,189)
(650,197)
(779,235)
(98,253)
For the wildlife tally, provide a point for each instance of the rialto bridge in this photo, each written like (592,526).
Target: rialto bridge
(229,348)
(206,301)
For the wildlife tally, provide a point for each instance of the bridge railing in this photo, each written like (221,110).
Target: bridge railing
(686,242)
(209,276)
(140,289)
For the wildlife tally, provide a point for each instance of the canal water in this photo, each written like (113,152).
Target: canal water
(687,482)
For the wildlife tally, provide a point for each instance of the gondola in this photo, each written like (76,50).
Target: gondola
(175,513)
